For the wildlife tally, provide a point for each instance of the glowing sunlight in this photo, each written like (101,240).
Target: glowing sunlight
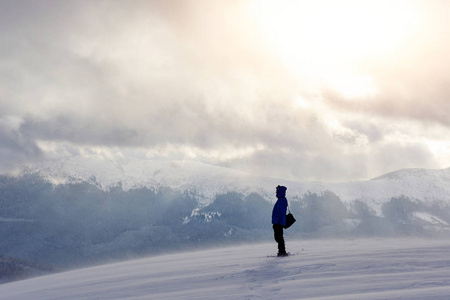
(318,40)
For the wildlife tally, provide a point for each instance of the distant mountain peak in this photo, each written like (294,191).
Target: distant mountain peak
(209,180)
(415,173)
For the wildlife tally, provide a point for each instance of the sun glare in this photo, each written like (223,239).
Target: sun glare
(352,87)
(319,39)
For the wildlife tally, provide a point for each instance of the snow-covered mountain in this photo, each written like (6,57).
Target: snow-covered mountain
(208,180)
(106,214)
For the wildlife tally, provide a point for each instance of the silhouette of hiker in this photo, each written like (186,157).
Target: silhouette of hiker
(279,219)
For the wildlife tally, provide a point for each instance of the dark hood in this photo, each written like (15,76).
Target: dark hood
(281,191)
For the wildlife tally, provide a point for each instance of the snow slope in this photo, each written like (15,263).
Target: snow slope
(209,180)
(327,269)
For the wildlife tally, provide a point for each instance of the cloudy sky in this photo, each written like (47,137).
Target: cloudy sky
(313,90)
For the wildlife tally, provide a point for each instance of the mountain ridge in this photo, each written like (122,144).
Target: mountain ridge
(209,180)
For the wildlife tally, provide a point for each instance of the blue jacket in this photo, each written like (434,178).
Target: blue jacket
(279,211)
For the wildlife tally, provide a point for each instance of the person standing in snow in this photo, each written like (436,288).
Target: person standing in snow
(279,219)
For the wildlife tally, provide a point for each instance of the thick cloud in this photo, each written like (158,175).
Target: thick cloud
(198,80)
(15,147)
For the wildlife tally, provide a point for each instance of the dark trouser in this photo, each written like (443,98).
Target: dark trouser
(278,234)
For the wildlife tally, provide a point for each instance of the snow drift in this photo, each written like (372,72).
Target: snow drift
(332,269)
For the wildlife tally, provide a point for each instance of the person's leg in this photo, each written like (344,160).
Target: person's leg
(278,235)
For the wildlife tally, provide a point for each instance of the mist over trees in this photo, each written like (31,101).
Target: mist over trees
(72,225)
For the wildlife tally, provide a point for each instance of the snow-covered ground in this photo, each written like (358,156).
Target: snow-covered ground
(327,269)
